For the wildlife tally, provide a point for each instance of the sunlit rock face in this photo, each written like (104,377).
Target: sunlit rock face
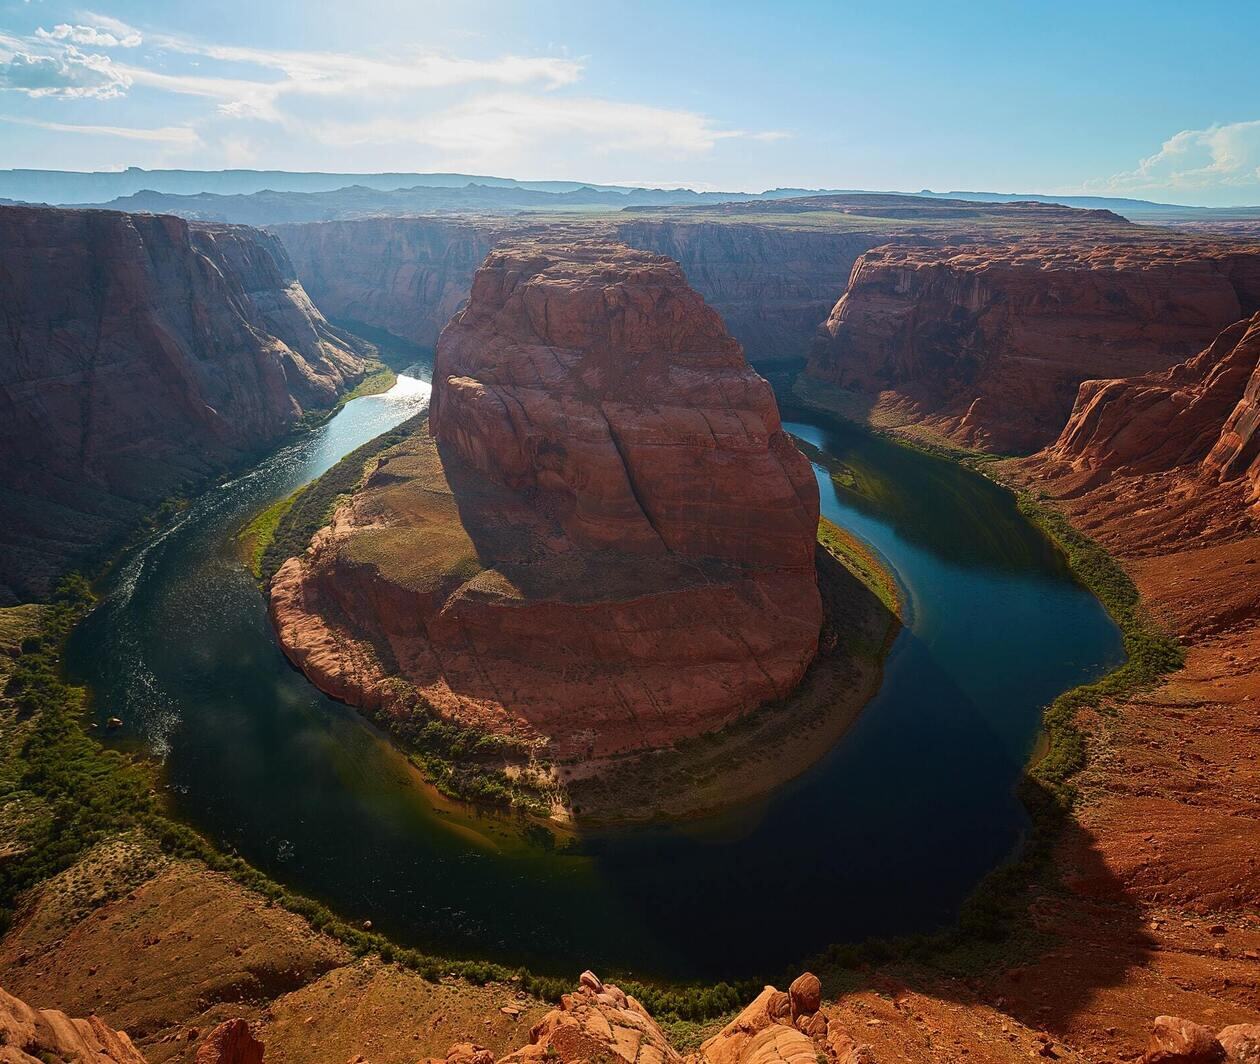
(989,343)
(604,544)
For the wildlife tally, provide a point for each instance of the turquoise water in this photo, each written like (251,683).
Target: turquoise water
(886,835)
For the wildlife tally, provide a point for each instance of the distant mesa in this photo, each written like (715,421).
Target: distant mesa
(603,544)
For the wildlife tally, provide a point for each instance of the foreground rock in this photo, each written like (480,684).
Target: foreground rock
(137,355)
(231,1042)
(599,1021)
(606,544)
(987,344)
(35,1036)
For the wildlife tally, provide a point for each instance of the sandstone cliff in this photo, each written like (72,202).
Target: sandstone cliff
(772,285)
(606,545)
(405,275)
(1181,447)
(987,344)
(139,353)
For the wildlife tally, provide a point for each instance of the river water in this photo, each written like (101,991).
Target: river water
(886,835)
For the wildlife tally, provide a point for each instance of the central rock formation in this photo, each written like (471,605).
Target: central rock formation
(606,544)
(987,344)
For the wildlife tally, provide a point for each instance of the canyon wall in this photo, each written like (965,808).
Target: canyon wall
(1172,456)
(771,284)
(139,354)
(405,275)
(988,344)
(605,545)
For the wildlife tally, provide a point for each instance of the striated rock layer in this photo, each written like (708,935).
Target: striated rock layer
(605,545)
(988,344)
(139,353)
(408,276)
(1177,451)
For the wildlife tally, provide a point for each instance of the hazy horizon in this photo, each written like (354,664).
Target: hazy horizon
(986,97)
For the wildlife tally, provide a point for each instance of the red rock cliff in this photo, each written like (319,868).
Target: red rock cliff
(139,353)
(772,285)
(988,344)
(610,545)
(405,275)
(1179,450)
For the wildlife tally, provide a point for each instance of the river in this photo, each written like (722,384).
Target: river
(885,836)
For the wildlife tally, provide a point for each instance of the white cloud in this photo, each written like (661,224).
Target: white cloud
(501,123)
(67,73)
(91,36)
(1220,156)
(175,136)
(506,110)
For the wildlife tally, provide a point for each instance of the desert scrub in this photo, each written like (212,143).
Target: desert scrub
(81,792)
(1150,652)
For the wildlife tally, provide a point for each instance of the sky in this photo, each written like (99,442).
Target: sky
(1156,100)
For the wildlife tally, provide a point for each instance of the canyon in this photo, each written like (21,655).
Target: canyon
(772,270)
(139,355)
(603,543)
(603,471)
(986,344)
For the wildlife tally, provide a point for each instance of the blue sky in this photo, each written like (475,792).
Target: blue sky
(1158,100)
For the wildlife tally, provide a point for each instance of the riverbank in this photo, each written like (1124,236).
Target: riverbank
(370,980)
(758,754)
(1141,870)
(695,778)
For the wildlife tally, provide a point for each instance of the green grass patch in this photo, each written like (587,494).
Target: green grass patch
(298,517)
(862,562)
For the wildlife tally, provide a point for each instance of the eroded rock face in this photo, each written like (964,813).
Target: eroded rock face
(771,285)
(599,1021)
(231,1042)
(408,276)
(989,343)
(33,1036)
(1182,445)
(606,544)
(139,353)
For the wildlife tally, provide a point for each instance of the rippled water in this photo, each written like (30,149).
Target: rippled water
(886,835)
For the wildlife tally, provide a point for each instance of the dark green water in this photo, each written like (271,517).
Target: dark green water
(886,835)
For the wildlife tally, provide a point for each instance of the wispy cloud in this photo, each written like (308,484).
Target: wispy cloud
(1218,156)
(507,110)
(176,136)
(67,73)
(500,123)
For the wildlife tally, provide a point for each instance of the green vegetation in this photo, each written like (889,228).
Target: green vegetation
(285,528)
(467,764)
(378,380)
(62,793)
(862,562)
(1150,651)
(259,534)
